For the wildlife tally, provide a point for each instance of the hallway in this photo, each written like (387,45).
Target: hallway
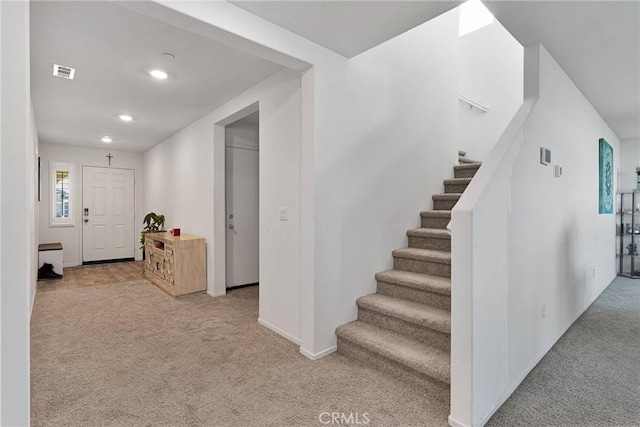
(591,375)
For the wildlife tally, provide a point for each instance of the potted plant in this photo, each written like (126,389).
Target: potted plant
(153,223)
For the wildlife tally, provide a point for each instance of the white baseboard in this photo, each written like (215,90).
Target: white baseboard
(219,294)
(319,355)
(544,351)
(279,331)
(455,423)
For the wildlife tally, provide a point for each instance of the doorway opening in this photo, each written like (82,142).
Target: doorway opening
(242,195)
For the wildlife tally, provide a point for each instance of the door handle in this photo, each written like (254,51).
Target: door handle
(86,220)
(231,227)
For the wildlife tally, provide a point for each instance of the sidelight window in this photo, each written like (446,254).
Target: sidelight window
(62,194)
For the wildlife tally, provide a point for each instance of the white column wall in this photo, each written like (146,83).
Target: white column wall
(17,214)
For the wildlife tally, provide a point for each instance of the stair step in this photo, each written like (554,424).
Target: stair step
(465,161)
(442,257)
(425,261)
(462,153)
(429,238)
(406,321)
(466,170)
(435,219)
(409,311)
(427,289)
(456,185)
(445,201)
(421,282)
(455,181)
(434,233)
(409,353)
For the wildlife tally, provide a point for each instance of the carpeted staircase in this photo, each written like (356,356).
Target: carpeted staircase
(405,327)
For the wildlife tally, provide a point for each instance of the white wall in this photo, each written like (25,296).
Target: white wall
(629,161)
(189,166)
(71,237)
(573,245)
(491,73)
(388,140)
(553,254)
(35,224)
(17,213)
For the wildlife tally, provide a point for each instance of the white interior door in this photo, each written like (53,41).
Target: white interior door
(241,168)
(107,214)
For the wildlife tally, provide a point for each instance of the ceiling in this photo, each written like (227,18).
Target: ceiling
(347,27)
(595,42)
(112,49)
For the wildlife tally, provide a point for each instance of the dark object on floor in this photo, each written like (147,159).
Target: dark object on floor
(46,272)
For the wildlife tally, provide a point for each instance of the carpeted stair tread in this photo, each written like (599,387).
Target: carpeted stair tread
(447,196)
(457,181)
(411,353)
(434,233)
(409,311)
(468,166)
(423,282)
(432,255)
(436,214)
(465,161)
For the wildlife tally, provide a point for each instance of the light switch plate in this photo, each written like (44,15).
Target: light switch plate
(557,172)
(283,214)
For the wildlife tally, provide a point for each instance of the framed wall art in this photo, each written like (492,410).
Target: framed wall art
(605,191)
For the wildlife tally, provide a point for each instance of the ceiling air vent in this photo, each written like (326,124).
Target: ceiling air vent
(63,71)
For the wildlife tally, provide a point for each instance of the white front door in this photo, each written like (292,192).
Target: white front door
(107,214)
(241,177)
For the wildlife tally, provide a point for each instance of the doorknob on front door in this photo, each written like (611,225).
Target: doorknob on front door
(231,227)
(86,220)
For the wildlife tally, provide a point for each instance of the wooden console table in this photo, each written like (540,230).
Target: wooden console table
(177,265)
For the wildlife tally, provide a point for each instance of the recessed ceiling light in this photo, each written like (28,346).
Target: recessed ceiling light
(107,139)
(158,74)
(125,117)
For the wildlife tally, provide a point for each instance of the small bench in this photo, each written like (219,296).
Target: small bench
(51,253)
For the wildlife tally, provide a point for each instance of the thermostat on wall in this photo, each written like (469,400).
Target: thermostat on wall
(545,156)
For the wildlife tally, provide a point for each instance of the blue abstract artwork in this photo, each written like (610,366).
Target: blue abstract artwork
(606,178)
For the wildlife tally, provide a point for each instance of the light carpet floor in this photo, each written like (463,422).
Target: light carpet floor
(129,355)
(591,376)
